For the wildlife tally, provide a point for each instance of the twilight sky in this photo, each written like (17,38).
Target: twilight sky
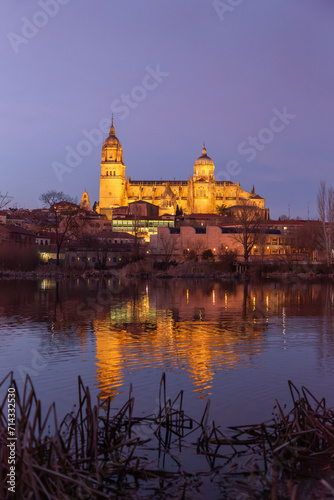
(254,80)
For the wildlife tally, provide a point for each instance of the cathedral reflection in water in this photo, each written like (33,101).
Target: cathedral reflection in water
(164,326)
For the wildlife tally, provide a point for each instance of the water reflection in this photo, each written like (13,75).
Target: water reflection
(198,328)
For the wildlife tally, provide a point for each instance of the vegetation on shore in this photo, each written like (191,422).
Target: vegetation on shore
(187,269)
(97,452)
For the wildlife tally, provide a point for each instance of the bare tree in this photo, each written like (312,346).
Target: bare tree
(4,200)
(168,246)
(101,247)
(227,258)
(288,255)
(194,249)
(306,240)
(137,231)
(248,219)
(326,213)
(64,214)
(262,240)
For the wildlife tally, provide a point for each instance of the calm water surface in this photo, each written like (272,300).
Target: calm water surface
(237,344)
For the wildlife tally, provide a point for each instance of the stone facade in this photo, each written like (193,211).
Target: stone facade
(200,194)
(178,242)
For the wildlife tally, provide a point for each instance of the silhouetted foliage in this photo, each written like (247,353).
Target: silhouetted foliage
(221,209)
(227,259)
(208,255)
(179,210)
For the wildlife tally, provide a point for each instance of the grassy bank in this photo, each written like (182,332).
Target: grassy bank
(99,453)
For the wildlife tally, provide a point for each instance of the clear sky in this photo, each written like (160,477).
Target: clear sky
(253,79)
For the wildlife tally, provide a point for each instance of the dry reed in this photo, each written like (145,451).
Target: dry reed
(97,453)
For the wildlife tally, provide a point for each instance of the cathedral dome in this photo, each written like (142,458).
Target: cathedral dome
(112,139)
(112,149)
(204,159)
(204,167)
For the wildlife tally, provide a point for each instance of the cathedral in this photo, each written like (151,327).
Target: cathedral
(200,194)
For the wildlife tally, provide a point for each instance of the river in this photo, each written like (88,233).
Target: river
(237,344)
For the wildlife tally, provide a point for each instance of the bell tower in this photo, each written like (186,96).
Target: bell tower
(112,180)
(85,202)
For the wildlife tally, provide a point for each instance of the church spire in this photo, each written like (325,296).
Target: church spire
(112,128)
(204,150)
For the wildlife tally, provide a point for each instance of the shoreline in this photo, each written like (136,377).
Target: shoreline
(8,275)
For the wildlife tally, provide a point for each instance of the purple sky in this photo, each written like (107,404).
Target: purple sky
(227,71)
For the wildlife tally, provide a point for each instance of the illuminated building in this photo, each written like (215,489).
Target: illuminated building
(202,193)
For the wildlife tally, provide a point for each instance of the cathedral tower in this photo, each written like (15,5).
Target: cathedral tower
(112,180)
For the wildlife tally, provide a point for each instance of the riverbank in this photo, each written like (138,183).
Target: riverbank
(190,269)
(186,269)
(51,271)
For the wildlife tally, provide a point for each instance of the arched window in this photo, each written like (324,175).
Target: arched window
(106,173)
(114,173)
